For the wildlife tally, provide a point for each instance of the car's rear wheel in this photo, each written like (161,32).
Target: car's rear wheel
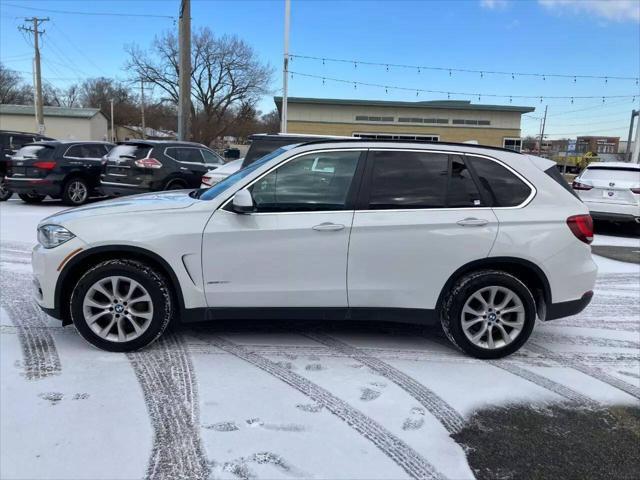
(75,192)
(5,193)
(175,185)
(488,314)
(121,305)
(31,197)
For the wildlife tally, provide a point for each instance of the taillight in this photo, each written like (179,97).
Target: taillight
(636,191)
(148,163)
(206,180)
(580,186)
(582,227)
(45,165)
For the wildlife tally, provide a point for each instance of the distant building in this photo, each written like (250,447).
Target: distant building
(442,120)
(597,145)
(60,122)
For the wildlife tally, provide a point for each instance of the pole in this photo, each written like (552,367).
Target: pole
(544,124)
(113,132)
(627,153)
(285,69)
(184,70)
(144,130)
(37,77)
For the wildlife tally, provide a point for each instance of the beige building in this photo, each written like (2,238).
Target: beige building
(60,123)
(441,120)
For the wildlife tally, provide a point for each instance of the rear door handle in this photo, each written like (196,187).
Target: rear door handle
(328,227)
(473,222)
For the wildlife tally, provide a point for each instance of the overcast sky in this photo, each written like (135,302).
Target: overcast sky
(573,37)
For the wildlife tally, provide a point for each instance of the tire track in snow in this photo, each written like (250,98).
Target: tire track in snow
(166,375)
(393,447)
(566,339)
(40,356)
(589,370)
(450,419)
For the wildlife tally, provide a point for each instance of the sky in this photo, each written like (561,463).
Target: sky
(568,37)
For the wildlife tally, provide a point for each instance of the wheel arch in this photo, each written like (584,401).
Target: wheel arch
(524,270)
(80,263)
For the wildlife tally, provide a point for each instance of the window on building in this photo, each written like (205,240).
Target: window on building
(366,118)
(402,136)
(501,185)
(462,121)
(514,144)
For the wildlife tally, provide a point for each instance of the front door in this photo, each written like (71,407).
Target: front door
(292,250)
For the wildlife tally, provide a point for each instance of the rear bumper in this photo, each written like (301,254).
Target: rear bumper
(615,217)
(616,212)
(566,309)
(38,186)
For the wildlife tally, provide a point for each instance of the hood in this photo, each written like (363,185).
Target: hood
(146,202)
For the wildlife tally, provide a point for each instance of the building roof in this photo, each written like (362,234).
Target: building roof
(431,104)
(6,109)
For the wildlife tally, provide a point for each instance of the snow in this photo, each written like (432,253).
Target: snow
(281,401)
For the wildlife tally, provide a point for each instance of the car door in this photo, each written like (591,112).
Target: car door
(421,217)
(190,164)
(292,250)
(211,160)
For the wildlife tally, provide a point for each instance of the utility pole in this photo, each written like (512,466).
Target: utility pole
(113,132)
(544,124)
(37,79)
(144,130)
(627,153)
(184,70)
(285,69)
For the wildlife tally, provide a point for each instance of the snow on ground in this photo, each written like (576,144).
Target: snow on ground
(267,400)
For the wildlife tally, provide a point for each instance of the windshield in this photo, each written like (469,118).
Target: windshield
(35,151)
(220,187)
(611,174)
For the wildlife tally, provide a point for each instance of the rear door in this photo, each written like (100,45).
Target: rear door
(421,217)
(120,169)
(86,158)
(190,163)
(610,185)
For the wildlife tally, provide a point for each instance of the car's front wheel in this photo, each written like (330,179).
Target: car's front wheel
(121,305)
(488,314)
(5,193)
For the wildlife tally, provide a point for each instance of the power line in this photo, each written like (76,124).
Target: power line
(464,94)
(101,14)
(418,68)
(68,40)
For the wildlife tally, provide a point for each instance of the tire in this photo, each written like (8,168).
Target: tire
(5,193)
(519,312)
(119,334)
(175,185)
(31,197)
(75,192)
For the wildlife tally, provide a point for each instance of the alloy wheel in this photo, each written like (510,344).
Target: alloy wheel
(493,317)
(117,308)
(77,191)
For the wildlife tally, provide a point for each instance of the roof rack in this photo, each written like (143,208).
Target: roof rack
(426,142)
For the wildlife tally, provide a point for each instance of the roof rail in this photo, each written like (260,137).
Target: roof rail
(426,142)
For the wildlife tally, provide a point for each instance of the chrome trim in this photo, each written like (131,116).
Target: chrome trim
(23,179)
(119,184)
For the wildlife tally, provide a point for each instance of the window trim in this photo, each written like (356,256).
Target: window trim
(181,161)
(362,203)
(356,184)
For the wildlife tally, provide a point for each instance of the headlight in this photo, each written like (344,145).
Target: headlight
(51,236)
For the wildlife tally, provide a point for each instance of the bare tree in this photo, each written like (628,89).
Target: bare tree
(226,76)
(270,122)
(98,93)
(13,89)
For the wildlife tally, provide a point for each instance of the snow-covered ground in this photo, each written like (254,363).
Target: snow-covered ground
(262,400)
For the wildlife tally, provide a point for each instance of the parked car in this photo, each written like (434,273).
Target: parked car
(261,144)
(231,153)
(480,239)
(140,166)
(611,190)
(69,170)
(10,143)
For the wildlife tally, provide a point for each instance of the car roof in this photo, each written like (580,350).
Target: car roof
(294,136)
(54,143)
(634,166)
(167,143)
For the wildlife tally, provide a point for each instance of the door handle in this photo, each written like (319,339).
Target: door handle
(472,222)
(328,227)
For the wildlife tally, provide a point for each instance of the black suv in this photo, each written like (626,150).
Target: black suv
(139,166)
(10,143)
(69,170)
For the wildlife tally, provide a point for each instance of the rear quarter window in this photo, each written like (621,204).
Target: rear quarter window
(501,186)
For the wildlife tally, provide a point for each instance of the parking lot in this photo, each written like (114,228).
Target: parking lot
(289,399)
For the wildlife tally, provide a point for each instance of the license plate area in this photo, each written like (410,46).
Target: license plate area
(612,194)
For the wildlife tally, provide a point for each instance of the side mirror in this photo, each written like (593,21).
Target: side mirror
(242,201)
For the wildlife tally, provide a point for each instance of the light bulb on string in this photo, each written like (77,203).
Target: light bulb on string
(571,100)
(450,75)
(387,68)
(481,74)
(323,61)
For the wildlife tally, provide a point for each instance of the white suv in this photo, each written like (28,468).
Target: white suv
(480,239)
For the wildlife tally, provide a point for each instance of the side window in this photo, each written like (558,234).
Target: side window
(190,155)
(93,151)
(77,151)
(210,157)
(462,191)
(17,141)
(408,180)
(318,181)
(503,187)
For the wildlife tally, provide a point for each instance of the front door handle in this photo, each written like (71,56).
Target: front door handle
(473,222)
(328,227)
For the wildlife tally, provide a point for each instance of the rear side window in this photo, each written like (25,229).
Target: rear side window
(133,152)
(503,187)
(403,180)
(77,151)
(191,155)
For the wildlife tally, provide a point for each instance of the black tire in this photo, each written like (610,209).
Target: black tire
(454,302)
(175,185)
(5,193)
(31,197)
(72,192)
(155,284)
